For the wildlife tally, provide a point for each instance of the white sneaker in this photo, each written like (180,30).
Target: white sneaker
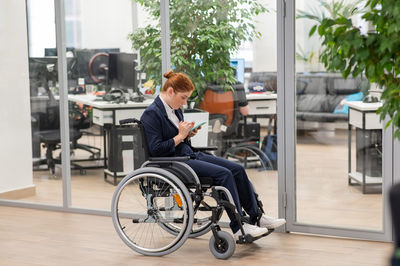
(270,222)
(252,230)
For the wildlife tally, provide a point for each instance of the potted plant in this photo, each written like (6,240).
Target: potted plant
(203,33)
(347,49)
(325,9)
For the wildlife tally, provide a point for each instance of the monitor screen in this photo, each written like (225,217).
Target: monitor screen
(53,51)
(238,65)
(45,69)
(82,60)
(121,71)
(42,70)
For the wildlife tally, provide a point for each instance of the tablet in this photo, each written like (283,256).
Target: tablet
(196,126)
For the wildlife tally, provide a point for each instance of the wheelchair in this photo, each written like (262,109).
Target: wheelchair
(158,206)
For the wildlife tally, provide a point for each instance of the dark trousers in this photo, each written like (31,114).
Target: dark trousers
(231,176)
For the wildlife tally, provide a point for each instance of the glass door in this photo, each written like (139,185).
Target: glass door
(228,49)
(339,167)
(31,150)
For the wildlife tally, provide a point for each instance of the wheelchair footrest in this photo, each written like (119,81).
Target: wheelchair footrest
(247,239)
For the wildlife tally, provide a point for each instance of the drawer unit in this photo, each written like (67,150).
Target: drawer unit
(101,117)
(262,107)
(371,119)
(128,113)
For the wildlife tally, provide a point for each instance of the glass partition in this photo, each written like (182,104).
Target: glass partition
(37,177)
(104,81)
(230,54)
(339,136)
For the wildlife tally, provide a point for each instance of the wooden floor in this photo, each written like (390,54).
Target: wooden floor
(32,237)
(35,237)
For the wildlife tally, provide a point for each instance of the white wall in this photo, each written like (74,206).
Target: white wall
(264,49)
(42,32)
(106,24)
(15,120)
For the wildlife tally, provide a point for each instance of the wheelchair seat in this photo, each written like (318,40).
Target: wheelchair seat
(183,172)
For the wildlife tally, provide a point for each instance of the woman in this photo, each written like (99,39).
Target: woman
(168,135)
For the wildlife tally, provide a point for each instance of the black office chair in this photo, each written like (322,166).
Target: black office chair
(46,130)
(394,196)
(46,120)
(80,122)
(229,132)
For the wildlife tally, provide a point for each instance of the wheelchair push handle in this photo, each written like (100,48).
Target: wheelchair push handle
(129,121)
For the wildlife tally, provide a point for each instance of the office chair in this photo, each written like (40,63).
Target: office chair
(46,130)
(79,121)
(228,132)
(46,120)
(394,196)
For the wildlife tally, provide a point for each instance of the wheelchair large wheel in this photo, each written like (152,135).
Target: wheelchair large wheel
(201,222)
(145,199)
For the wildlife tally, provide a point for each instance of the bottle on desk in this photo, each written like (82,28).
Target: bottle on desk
(81,85)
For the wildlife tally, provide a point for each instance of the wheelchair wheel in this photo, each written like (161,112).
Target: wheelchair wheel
(223,249)
(201,222)
(145,199)
(248,155)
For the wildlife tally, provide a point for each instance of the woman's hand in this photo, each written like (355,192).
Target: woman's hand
(184,128)
(193,132)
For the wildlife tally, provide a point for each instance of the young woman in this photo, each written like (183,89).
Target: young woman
(168,135)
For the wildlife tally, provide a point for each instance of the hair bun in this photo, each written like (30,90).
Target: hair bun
(169,74)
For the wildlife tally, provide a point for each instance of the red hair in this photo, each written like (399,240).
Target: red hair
(178,81)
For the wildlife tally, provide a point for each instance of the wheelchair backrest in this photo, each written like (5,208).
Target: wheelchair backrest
(139,140)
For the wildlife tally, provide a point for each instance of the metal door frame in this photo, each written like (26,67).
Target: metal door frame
(287,142)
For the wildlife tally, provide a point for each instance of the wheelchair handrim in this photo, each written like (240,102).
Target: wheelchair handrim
(122,234)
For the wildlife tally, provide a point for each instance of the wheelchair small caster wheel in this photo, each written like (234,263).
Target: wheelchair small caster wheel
(82,172)
(226,246)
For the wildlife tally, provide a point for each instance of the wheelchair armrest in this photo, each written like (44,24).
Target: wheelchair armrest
(208,148)
(169,159)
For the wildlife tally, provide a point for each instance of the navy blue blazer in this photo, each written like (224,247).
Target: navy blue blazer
(160,132)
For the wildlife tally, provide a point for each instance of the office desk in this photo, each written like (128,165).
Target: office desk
(118,141)
(110,113)
(261,104)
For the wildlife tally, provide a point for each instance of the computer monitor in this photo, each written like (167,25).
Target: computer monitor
(121,71)
(82,60)
(238,65)
(44,69)
(53,51)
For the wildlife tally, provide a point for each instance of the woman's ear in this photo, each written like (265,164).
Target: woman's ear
(170,91)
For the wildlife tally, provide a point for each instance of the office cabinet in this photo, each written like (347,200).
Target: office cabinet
(368,170)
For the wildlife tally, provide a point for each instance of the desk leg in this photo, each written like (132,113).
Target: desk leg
(105,151)
(363,163)
(349,151)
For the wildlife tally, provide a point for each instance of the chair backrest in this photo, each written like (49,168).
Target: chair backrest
(219,101)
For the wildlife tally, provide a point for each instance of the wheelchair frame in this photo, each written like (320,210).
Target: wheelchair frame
(171,195)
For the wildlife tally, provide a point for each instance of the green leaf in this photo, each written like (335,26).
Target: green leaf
(313,29)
